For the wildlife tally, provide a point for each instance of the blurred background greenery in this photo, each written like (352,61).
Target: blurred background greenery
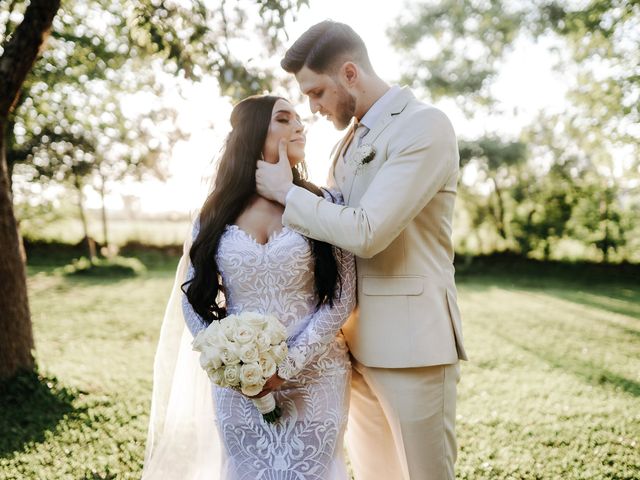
(547,228)
(566,185)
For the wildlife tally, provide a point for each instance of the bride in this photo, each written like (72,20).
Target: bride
(243,259)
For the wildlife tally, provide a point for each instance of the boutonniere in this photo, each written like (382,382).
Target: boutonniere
(364,154)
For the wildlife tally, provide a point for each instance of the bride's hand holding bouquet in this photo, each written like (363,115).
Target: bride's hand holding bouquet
(242,352)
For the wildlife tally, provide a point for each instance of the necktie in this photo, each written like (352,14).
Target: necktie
(361,131)
(358,131)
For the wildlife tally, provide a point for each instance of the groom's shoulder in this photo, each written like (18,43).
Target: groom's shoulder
(417,109)
(420,115)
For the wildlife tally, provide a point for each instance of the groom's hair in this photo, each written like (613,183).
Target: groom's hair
(325,47)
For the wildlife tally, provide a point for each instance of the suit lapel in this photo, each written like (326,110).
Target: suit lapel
(395,107)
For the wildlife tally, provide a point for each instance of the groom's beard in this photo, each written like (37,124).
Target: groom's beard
(345,108)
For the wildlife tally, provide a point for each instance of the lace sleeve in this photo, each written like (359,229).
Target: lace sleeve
(194,321)
(323,325)
(333,195)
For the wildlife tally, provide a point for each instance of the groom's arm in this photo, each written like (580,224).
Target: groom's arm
(420,163)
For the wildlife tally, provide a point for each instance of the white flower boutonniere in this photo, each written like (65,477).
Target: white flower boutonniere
(364,154)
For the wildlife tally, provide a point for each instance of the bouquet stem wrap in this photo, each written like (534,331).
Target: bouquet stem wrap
(267,407)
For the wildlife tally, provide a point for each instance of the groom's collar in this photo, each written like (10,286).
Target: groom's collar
(378,108)
(400,101)
(393,107)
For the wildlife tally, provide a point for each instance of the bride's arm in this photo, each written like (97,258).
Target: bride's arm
(194,321)
(191,317)
(324,324)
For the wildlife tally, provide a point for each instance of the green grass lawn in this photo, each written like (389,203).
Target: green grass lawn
(552,390)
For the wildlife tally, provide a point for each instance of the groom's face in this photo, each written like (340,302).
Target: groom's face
(327,96)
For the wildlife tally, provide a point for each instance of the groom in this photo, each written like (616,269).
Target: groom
(397,168)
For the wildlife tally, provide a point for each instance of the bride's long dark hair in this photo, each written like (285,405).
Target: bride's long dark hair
(235,184)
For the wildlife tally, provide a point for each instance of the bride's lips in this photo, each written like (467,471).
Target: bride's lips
(299,140)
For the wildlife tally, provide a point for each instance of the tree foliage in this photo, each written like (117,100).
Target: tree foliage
(197,38)
(65,121)
(466,42)
(495,162)
(70,125)
(580,168)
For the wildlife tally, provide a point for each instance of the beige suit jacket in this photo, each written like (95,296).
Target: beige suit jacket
(397,221)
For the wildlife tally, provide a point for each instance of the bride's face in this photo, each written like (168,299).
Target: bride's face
(285,123)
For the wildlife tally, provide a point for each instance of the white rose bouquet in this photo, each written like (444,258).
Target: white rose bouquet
(243,352)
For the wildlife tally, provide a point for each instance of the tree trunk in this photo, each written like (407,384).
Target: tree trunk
(88,241)
(21,51)
(103,193)
(16,340)
(8,138)
(499,210)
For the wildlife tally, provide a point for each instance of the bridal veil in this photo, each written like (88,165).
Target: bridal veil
(183,441)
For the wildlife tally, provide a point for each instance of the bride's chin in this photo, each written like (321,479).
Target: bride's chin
(296,156)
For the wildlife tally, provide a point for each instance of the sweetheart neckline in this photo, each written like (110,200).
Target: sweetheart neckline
(271,239)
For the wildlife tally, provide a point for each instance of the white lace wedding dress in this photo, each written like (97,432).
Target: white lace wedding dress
(277,278)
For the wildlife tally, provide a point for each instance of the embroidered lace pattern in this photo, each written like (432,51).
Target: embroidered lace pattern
(277,278)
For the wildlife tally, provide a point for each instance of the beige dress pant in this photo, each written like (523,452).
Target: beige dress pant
(402,422)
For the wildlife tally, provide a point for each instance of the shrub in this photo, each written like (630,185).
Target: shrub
(114,266)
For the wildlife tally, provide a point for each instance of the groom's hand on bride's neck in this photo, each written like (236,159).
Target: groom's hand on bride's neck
(274,180)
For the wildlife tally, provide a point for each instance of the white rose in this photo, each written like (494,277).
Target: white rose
(215,335)
(229,325)
(271,319)
(249,353)
(207,332)
(251,390)
(229,320)
(221,342)
(268,365)
(229,356)
(263,342)
(199,341)
(255,320)
(279,352)
(232,375)
(244,334)
(217,376)
(210,358)
(274,338)
(276,332)
(251,374)
(204,361)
